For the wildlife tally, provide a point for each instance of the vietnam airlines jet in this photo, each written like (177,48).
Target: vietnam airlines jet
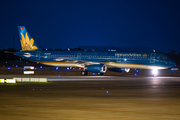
(92,61)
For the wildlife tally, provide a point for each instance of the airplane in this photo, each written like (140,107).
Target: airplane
(92,61)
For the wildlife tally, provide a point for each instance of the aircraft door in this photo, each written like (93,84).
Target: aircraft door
(152,57)
(38,55)
(79,56)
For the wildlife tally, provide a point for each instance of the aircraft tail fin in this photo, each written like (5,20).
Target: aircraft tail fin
(27,42)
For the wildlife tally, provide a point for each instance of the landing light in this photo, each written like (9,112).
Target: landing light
(155,71)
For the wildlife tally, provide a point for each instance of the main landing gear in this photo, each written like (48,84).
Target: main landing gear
(84,73)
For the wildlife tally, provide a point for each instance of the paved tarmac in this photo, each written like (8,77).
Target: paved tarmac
(92,98)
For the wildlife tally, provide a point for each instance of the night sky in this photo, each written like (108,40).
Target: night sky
(69,23)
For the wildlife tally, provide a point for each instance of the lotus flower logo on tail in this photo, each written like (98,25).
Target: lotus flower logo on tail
(27,42)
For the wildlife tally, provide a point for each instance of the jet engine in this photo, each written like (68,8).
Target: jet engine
(119,69)
(97,68)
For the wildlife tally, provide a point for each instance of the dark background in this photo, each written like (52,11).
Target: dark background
(73,23)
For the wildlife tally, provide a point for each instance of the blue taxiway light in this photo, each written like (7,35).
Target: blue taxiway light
(135,74)
(93,73)
(16,65)
(40,67)
(35,68)
(67,68)
(57,68)
(107,92)
(8,68)
(58,75)
(137,70)
(24,69)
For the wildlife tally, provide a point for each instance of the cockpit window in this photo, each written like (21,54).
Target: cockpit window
(164,57)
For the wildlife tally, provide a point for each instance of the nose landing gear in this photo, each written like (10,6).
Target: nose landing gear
(100,74)
(84,73)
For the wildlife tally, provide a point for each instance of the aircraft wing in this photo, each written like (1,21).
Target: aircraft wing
(84,62)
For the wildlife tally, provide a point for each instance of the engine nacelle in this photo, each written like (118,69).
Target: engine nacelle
(97,68)
(119,69)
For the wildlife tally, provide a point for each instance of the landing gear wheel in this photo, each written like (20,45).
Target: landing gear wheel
(100,73)
(83,73)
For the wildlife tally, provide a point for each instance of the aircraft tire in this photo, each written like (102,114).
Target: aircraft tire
(83,73)
(100,74)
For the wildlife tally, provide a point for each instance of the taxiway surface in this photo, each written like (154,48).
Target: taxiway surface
(92,97)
